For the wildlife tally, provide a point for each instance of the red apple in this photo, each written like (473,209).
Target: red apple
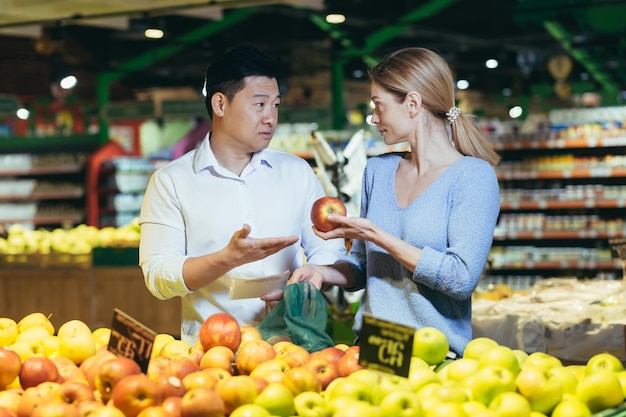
(322,208)
(36,396)
(272,370)
(10,365)
(218,357)
(68,370)
(350,361)
(218,373)
(199,379)
(133,393)
(325,371)
(54,409)
(253,353)
(111,372)
(250,333)
(331,354)
(75,392)
(202,402)
(220,329)
(91,365)
(156,366)
(5,412)
(37,369)
(292,353)
(236,391)
(171,386)
(173,406)
(300,379)
(180,366)
(153,411)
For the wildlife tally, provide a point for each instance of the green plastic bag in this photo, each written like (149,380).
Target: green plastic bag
(300,316)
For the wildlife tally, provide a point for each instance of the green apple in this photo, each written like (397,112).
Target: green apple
(8,331)
(419,377)
(277,399)
(369,376)
(475,347)
(357,409)
(431,345)
(566,376)
(354,388)
(542,389)
(461,368)
(600,390)
(542,359)
(488,382)
(390,383)
(400,404)
(500,355)
(310,404)
(571,406)
(521,356)
(250,410)
(510,404)
(604,361)
(472,407)
(622,380)
(446,409)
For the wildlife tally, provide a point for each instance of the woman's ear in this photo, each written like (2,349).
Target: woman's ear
(413,102)
(217,104)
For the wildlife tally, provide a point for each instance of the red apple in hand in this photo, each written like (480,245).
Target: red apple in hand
(322,208)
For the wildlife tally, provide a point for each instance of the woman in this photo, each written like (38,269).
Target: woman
(428,215)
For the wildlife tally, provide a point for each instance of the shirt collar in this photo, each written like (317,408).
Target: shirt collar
(205,158)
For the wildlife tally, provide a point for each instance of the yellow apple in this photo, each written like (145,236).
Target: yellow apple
(175,348)
(33,333)
(250,410)
(101,336)
(159,341)
(29,348)
(541,388)
(72,327)
(51,346)
(77,345)
(8,331)
(35,320)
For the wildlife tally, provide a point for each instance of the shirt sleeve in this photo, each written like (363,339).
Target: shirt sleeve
(473,208)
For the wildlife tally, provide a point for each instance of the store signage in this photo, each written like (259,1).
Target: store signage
(138,110)
(618,248)
(131,339)
(183,108)
(386,346)
(8,104)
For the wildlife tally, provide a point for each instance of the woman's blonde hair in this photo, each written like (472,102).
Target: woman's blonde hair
(427,73)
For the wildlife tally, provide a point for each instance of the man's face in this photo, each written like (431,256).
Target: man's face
(250,118)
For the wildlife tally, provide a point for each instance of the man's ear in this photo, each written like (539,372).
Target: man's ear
(413,102)
(217,104)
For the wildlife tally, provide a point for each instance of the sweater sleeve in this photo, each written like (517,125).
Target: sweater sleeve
(473,208)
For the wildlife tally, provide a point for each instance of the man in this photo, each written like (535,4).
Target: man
(232,207)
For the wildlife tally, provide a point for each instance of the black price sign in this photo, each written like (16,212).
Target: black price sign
(386,346)
(618,248)
(131,339)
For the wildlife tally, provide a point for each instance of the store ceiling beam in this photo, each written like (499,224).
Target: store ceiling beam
(583,57)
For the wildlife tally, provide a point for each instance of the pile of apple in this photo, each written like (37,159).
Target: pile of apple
(232,371)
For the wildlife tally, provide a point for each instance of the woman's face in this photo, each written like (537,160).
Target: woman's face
(391,117)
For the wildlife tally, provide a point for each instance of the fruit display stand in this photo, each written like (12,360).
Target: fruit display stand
(568,318)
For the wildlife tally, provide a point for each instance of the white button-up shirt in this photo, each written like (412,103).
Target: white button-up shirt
(192,206)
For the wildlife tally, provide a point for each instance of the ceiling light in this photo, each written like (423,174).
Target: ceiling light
(335,18)
(22,113)
(515,112)
(68,82)
(462,84)
(491,63)
(153,33)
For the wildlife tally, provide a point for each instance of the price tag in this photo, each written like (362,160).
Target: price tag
(386,346)
(131,339)
(618,248)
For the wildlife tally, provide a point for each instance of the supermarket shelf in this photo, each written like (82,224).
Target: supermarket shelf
(557,265)
(68,169)
(562,143)
(49,143)
(46,220)
(563,174)
(51,195)
(572,204)
(558,234)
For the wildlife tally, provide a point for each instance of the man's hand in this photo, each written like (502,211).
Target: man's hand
(243,249)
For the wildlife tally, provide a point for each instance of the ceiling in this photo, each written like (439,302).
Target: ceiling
(39,37)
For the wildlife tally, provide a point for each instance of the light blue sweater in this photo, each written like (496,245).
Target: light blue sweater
(453,222)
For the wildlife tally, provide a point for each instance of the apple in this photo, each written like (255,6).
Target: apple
(604,361)
(171,386)
(250,410)
(153,411)
(475,347)
(461,368)
(489,381)
(542,359)
(330,354)
(180,366)
(541,389)
(75,392)
(600,390)
(173,406)
(236,391)
(91,366)
(73,327)
(113,371)
(250,333)
(10,365)
(76,345)
(320,210)
(35,320)
(387,384)
(277,399)
(218,373)
(272,370)
(324,370)
(510,404)
(99,410)
(435,393)
(156,366)
(220,329)
(102,336)
(218,357)
(34,397)
(134,392)
(310,404)
(252,353)
(349,362)
(571,406)
(400,404)
(292,353)
(301,379)
(8,331)
(10,400)
(566,376)
(354,388)
(354,408)
(473,408)
(36,370)
(431,345)
(521,356)
(33,333)
(447,409)
(54,409)
(175,348)
(200,379)
(500,355)
(159,341)
(261,383)
(420,377)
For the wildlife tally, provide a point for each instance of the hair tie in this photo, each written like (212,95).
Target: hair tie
(452,114)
